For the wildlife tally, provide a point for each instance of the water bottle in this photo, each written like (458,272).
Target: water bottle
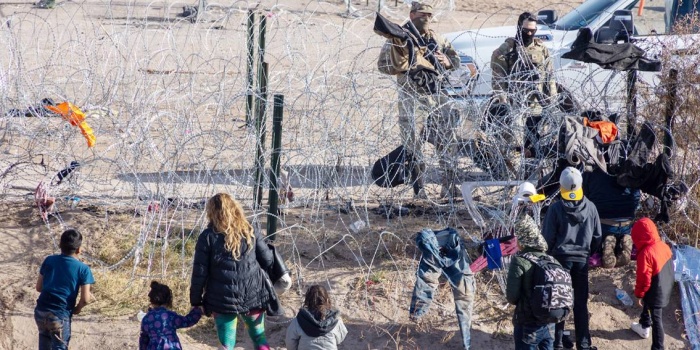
(623,297)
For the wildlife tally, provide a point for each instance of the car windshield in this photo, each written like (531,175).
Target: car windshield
(584,14)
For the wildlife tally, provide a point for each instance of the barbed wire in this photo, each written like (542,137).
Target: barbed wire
(166,99)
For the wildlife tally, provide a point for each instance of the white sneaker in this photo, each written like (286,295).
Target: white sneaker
(643,332)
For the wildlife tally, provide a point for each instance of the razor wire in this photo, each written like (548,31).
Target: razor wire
(166,95)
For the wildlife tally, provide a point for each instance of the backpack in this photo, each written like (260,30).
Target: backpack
(552,294)
(391,170)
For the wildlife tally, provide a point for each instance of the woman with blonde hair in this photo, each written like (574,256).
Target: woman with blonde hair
(227,273)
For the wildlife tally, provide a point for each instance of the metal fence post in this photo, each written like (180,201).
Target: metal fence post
(261,106)
(670,110)
(250,63)
(273,199)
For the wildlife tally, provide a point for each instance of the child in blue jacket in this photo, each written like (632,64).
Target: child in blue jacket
(159,326)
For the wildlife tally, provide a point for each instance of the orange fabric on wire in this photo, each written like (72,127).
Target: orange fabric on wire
(607,130)
(72,114)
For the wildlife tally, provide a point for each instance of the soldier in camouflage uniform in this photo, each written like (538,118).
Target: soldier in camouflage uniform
(425,115)
(523,70)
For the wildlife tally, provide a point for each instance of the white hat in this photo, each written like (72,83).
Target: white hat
(525,190)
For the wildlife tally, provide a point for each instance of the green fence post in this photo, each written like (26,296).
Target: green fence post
(273,199)
(260,115)
(670,110)
(250,63)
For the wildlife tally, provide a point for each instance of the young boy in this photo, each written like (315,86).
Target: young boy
(654,280)
(60,277)
(528,332)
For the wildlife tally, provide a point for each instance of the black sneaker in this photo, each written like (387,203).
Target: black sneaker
(567,342)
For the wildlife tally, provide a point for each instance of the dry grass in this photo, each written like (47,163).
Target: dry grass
(685,129)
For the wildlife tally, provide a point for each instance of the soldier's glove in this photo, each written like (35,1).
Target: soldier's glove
(502,98)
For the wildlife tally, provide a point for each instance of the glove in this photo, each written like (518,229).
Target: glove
(283,284)
(502,98)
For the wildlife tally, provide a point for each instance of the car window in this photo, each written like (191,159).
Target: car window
(583,15)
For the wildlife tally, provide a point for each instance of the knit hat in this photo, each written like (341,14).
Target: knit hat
(420,7)
(528,234)
(571,184)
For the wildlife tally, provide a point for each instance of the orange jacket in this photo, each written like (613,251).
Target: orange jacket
(654,264)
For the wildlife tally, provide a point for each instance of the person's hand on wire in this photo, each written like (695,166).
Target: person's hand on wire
(443,60)
(502,98)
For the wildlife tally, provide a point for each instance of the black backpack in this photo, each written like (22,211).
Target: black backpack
(552,294)
(392,169)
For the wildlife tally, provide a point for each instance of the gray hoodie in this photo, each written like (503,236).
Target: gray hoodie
(306,332)
(572,230)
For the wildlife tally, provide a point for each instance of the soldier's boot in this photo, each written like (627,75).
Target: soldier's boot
(450,188)
(626,255)
(609,259)
(450,191)
(417,174)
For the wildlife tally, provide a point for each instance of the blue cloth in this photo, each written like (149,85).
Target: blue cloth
(443,254)
(686,260)
(62,277)
(54,331)
(534,337)
(493,254)
(159,326)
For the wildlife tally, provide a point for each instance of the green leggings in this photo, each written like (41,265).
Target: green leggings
(254,321)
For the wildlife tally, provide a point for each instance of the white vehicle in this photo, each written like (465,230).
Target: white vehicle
(586,81)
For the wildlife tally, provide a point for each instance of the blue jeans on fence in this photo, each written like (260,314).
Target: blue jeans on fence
(443,254)
(534,337)
(54,331)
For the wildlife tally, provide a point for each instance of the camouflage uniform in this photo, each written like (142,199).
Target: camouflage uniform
(525,74)
(426,116)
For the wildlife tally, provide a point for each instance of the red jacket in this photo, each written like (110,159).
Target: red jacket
(654,265)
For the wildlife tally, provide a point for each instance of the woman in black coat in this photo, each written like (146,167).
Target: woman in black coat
(227,274)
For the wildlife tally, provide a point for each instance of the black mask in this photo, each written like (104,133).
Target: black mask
(422,24)
(527,36)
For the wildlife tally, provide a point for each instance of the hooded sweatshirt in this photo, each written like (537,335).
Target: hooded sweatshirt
(306,332)
(654,265)
(572,230)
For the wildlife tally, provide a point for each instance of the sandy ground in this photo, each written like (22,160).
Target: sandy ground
(376,314)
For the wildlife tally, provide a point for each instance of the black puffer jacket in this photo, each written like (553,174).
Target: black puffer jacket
(224,285)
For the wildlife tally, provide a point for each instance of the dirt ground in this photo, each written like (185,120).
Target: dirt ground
(374,304)
(370,274)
